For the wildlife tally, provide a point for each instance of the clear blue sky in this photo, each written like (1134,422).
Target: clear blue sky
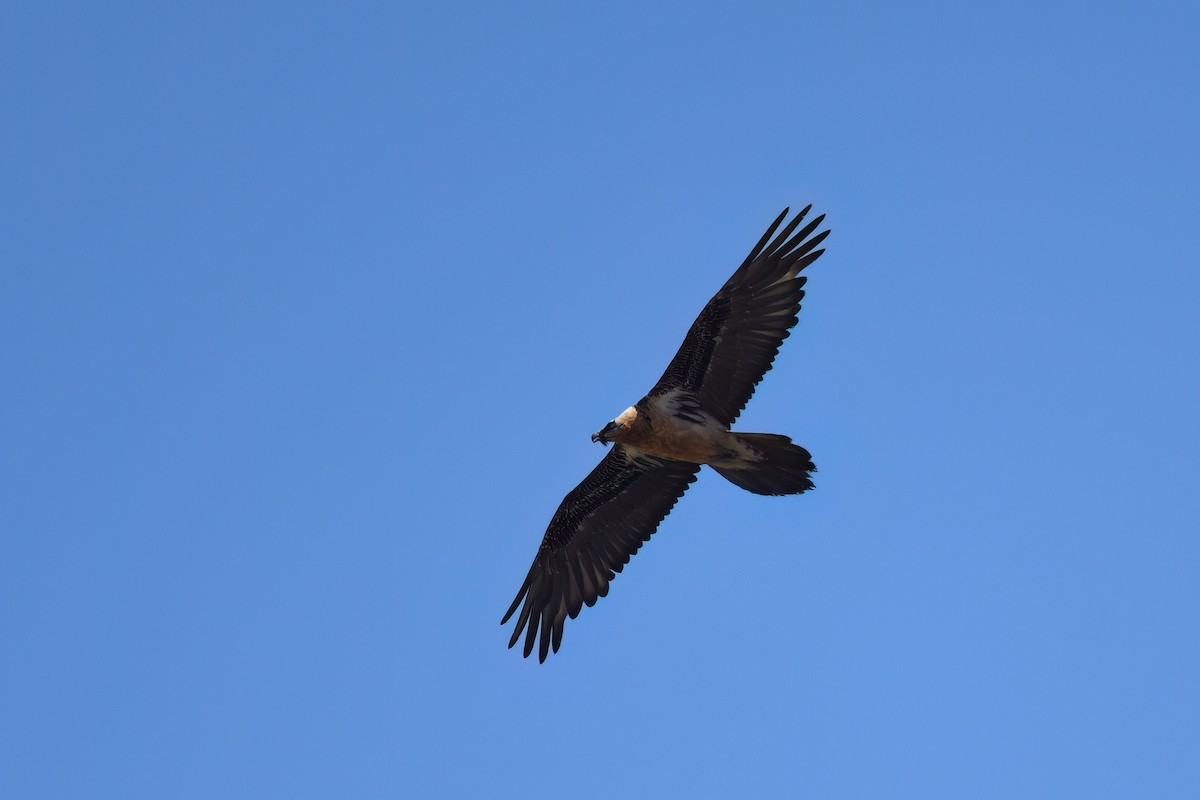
(308,310)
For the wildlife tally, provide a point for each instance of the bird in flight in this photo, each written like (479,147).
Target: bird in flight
(661,441)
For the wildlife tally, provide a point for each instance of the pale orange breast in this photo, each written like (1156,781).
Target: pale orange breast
(691,443)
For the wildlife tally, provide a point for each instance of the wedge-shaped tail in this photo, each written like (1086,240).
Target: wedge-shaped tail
(783,469)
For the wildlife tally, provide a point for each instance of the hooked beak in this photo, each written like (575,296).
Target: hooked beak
(602,435)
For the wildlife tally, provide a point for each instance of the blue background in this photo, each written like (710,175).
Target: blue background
(308,312)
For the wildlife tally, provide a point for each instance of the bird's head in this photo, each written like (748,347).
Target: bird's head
(615,430)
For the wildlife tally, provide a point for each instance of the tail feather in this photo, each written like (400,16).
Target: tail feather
(783,468)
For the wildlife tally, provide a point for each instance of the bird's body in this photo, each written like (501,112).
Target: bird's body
(661,441)
(672,425)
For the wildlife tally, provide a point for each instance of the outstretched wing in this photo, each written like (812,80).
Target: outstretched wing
(599,525)
(733,342)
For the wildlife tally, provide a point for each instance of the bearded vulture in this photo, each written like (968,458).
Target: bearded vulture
(661,441)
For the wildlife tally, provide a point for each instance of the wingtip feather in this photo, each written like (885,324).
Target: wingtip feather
(766,237)
(517,601)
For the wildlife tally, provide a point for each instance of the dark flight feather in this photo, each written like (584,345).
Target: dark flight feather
(735,339)
(599,525)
